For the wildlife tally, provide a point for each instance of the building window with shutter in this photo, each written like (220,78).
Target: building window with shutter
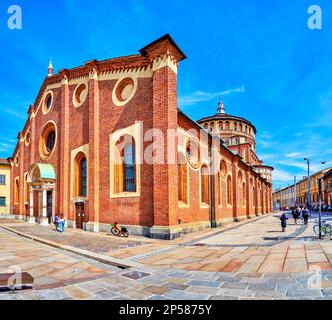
(2,179)
(2,201)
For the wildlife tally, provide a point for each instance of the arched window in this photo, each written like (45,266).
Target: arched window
(222,174)
(229,190)
(80,175)
(221,125)
(244,194)
(183,178)
(241,127)
(26,188)
(17,191)
(235,126)
(129,168)
(50,141)
(261,197)
(125,165)
(205,194)
(83,178)
(227,125)
(239,188)
(212,126)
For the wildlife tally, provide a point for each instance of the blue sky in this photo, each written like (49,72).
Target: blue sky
(259,56)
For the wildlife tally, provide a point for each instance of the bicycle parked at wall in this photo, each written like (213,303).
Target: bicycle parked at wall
(118,232)
(326,229)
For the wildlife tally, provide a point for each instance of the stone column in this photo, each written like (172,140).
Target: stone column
(31,208)
(43,218)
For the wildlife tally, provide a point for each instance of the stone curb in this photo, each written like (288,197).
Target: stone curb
(123,264)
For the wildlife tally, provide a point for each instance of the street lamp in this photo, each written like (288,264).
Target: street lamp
(320,194)
(309,187)
(295,195)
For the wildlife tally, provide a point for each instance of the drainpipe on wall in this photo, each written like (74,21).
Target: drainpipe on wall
(212,194)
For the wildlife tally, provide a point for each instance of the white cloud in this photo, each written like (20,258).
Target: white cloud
(282,176)
(293,155)
(4,147)
(14,113)
(201,96)
(294,164)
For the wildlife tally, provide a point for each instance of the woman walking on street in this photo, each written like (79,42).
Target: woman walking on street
(283,220)
(62,223)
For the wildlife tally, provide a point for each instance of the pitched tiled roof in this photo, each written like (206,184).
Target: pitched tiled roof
(4,161)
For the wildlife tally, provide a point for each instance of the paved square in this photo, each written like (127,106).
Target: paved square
(203,265)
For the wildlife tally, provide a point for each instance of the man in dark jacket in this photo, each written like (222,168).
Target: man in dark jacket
(283,220)
(305,216)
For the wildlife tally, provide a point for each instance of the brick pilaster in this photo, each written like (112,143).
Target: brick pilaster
(235,169)
(165,176)
(21,170)
(64,181)
(248,194)
(93,161)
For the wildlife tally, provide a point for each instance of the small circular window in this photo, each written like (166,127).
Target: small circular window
(27,139)
(47,141)
(80,95)
(193,153)
(124,91)
(48,102)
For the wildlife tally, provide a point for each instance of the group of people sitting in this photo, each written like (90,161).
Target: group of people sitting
(59,222)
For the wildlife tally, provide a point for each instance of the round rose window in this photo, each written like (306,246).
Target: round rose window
(48,102)
(124,91)
(47,141)
(80,95)
(193,153)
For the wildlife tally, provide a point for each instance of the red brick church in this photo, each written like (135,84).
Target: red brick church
(106,142)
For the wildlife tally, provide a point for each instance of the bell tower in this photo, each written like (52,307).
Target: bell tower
(221,107)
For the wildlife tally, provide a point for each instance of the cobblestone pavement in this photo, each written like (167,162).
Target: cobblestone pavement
(50,267)
(202,266)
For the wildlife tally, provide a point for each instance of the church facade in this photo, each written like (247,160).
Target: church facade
(105,142)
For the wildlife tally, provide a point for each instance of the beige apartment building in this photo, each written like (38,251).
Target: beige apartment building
(285,197)
(4,186)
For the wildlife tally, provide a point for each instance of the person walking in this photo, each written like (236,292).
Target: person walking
(305,215)
(283,220)
(62,223)
(56,221)
(295,215)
